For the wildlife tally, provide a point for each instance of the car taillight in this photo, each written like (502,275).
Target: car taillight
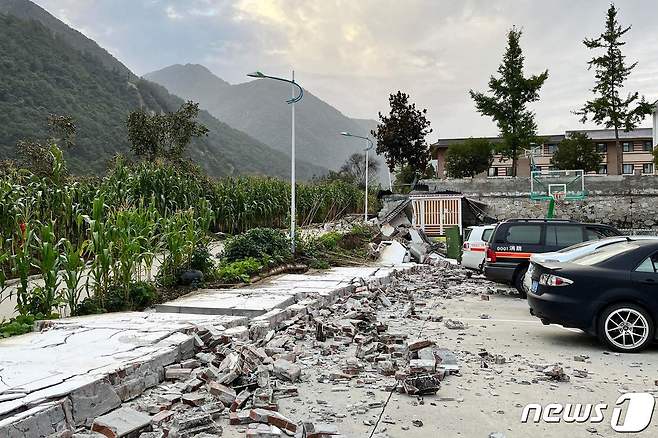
(554,280)
(491,255)
(466,246)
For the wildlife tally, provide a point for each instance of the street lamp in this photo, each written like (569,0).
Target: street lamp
(347,134)
(291,102)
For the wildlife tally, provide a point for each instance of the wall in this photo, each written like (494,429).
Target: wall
(622,201)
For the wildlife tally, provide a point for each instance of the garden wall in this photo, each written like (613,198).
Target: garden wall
(622,201)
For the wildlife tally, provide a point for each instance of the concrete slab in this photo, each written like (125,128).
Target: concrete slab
(92,361)
(277,292)
(77,369)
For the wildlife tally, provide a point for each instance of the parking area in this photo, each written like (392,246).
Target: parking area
(504,355)
(492,399)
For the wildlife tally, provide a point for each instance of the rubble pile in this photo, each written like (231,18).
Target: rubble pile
(404,243)
(242,377)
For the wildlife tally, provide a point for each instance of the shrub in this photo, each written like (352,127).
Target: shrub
(141,294)
(88,306)
(201,260)
(271,246)
(240,271)
(17,326)
(330,240)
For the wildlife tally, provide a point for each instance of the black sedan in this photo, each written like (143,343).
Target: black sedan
(611,293)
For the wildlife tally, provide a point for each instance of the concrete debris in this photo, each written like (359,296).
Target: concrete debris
(365,338)
(287,370)
(454,324)
(320,430)
(122,422)
(392,252)
(556,373)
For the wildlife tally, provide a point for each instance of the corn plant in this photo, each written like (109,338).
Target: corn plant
(73,264)
(100,247)
(4,260)
(45,298)
(22,264)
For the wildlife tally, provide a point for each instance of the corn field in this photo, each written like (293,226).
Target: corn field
(113,228)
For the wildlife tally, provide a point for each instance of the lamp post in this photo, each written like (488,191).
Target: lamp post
(292,101)
(367,149)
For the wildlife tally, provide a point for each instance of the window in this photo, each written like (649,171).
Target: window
(604,253)
(508,171)
(627,146)
(487,234)
(647,146)
(603,169)
(528,234)
(628,169)
(493,171)
(601,147)
(552,148)
(650,264)
(563,235)
(647,168)
(595,233)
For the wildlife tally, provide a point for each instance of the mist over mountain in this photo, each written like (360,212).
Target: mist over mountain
(258,108)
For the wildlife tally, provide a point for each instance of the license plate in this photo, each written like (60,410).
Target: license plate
(535,285)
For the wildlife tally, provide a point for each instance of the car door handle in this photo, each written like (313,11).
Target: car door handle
(649,281)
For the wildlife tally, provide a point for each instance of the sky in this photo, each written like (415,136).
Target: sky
(354,53)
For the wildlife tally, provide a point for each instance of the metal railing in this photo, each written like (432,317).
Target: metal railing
(640,231)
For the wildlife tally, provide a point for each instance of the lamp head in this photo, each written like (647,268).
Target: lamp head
(256,74)
(346,134)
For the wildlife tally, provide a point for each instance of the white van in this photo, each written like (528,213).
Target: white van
(475,243)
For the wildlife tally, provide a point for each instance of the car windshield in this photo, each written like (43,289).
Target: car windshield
(586,243)
(604,253)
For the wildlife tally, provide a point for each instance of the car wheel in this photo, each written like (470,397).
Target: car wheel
(518,282)
(626,327)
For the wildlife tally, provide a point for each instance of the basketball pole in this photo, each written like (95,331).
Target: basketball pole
(551,208)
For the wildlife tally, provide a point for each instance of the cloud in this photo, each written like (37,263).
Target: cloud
(354,53)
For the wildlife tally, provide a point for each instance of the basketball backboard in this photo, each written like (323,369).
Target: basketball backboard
(563,184)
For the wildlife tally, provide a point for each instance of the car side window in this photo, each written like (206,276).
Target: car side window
(592,233)
(486,235)
(524,234)
(650,264)
(563,235)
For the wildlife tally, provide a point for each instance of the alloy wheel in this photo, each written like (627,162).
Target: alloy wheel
(626,328)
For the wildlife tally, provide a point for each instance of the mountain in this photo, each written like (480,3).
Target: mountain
(48,68)
(259,109)
(26,10)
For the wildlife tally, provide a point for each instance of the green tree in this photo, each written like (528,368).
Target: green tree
(507,102)
(577,151)
(655,157)
(164,135)
(407,176)
(354,170)
(611,71)
(45,158)
(401,135)
(469,158)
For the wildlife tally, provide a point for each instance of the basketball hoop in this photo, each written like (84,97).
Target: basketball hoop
(558,196)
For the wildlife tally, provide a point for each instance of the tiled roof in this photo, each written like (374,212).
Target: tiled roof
(594,134)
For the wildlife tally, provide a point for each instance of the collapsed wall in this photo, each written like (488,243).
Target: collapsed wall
(621,201)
